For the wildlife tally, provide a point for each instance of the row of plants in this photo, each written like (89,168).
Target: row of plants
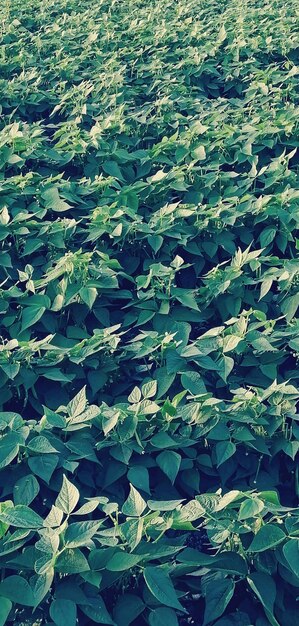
(122,555)
(148,306)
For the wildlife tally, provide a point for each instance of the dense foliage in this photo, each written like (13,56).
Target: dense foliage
(149,201)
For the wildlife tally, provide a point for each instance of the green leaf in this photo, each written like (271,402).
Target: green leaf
(127,609)
(54,517)
(5,608)
(289,306)
(162,440)
(25,490)
(222,34)
(169,462)
(111,168)
(264,587)
(163,617)
(139,477)
(52,198)
(131,530)
(88,507)
(187,298)
(54,418)
(157,177)
(269,536)
(71,561)
(122,561)
(218,595)
(199,153)
(79,533)
(41,445)
(135,395)
(149,389)
(160,585)
(88,295)
(9,448)
(164,380)
(97,612)
(224,450)
(149,408)
(68,496)
(77,405)
(230,342)
(43,467)
(265,287)
(41,585)
(225,500)
(31,315)
(21,516)
(193,382)
(291,553)
(134,505)
(99,558)
(54,373)
(3,506)
(229,562)
(250,508)
(11,369)
(163,505)
(155,241)
(226,365)
(17,589)
(63,612)
(267,235)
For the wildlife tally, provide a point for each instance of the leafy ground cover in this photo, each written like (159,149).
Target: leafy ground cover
(149,201)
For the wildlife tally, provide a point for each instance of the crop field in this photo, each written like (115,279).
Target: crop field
(149,298)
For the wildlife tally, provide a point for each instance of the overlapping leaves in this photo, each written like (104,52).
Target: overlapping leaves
(148,303)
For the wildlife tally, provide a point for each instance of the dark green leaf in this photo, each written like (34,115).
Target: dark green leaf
(163,617)
(160,585)
(63,612)
(291,553)
(217,598)
(25,490)
(17,589)
(267,537)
